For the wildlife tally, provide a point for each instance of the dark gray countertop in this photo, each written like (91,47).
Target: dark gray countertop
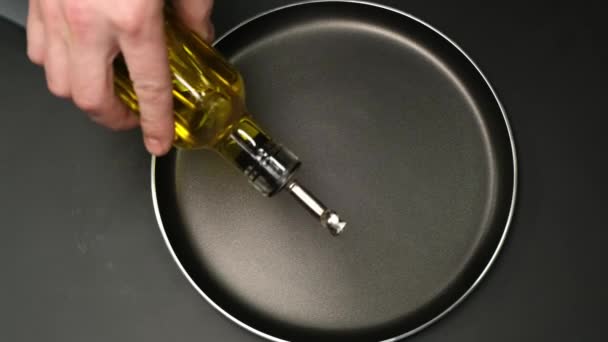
(82,258)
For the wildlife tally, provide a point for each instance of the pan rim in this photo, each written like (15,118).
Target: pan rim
(501,241)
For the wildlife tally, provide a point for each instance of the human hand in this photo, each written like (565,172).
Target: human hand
(76,42)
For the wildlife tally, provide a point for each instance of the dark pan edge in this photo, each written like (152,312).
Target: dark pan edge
(498,246)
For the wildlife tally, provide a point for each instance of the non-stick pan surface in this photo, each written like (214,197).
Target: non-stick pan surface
(397,130)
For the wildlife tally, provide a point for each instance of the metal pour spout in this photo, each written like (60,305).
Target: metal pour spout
(328,218)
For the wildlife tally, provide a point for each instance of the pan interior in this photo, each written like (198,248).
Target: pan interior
(397,131)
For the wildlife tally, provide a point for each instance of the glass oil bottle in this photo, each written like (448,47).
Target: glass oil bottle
(210,113)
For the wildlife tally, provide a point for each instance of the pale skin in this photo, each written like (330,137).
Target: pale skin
(75,41)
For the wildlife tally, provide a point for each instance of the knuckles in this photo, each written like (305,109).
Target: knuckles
(83,18)
(35,55)
(155,126)
(79,15)
(51,11)
(152,92)
(58,88)
(128,17)
(131,20)
(88,101)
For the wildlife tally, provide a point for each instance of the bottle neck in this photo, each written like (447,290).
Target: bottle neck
(268,166)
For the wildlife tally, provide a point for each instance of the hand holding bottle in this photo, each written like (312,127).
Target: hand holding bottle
(184,91)
(76,42)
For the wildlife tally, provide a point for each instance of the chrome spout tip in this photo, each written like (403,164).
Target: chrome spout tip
(332,221)
(329,219)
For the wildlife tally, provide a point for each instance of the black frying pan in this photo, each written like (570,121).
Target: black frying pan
(398,130)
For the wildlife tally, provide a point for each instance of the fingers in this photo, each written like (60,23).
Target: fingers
(196,14)
(56,53)
(76,41)
(35,33)
(145,53)
(91,73)
(92,90)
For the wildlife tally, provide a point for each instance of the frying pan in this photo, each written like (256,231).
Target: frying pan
(398,130)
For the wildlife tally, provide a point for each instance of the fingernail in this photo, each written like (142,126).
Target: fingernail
(153,145)
(200,29)
(206,31)
(210,32)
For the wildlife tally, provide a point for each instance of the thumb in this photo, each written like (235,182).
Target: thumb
(196,14)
